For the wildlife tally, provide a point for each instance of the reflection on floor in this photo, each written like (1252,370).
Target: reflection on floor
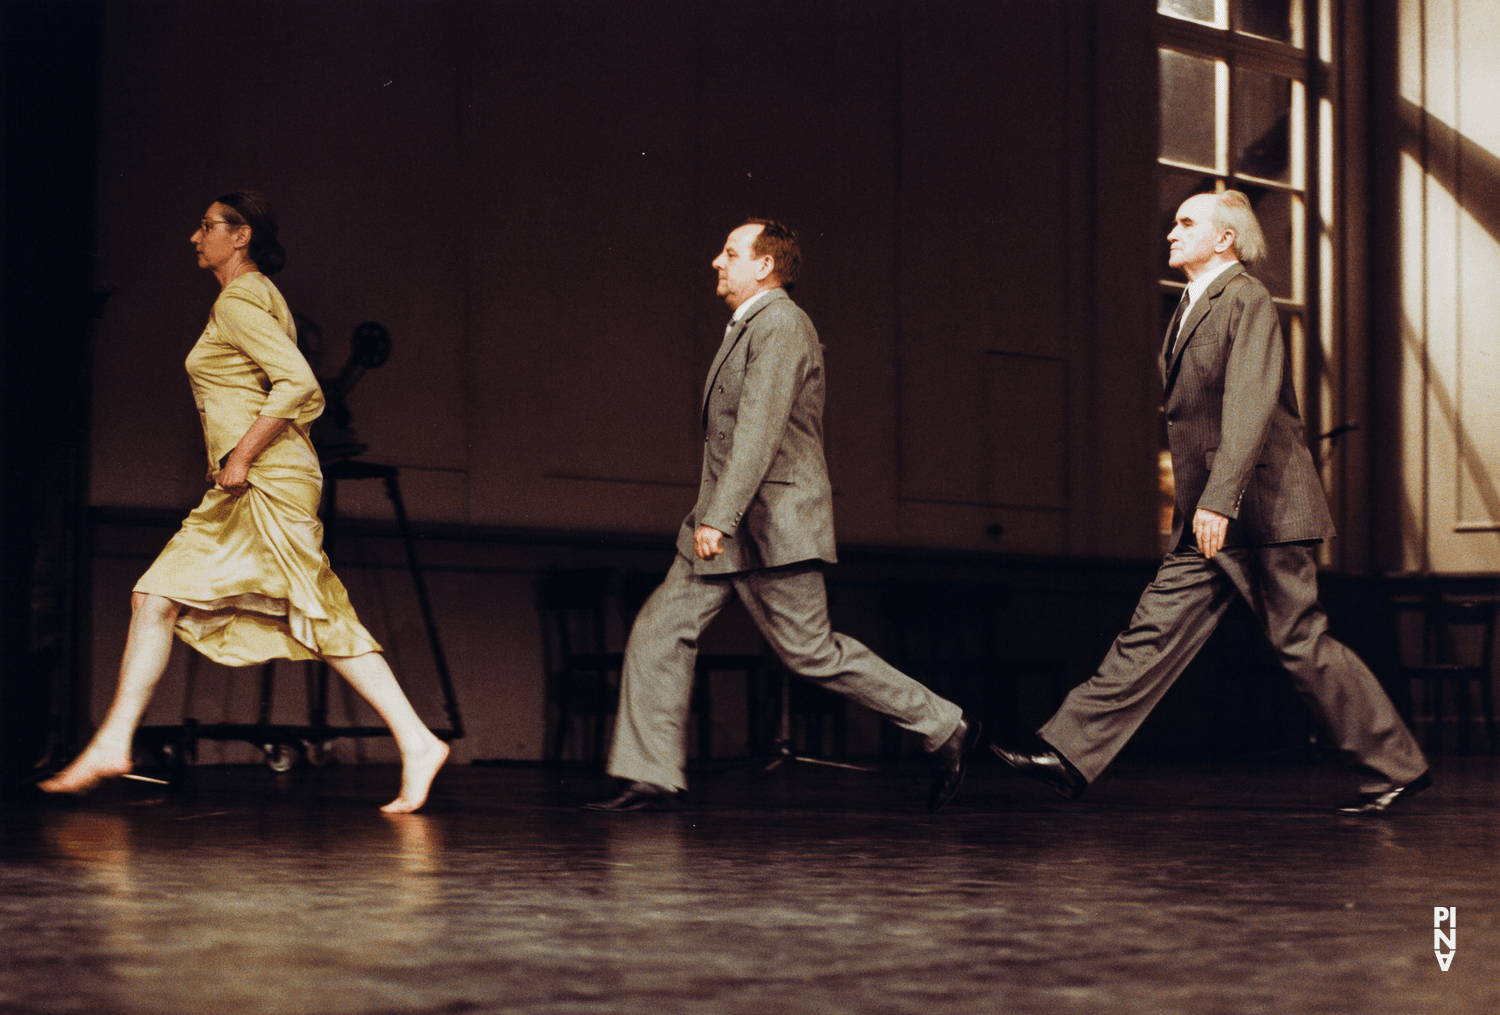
(1167,889)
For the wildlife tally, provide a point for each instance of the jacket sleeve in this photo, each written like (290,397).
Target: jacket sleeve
(1252,385)
(775,369)
(254,332)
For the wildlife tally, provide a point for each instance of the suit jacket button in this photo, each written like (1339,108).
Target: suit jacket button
(721,435)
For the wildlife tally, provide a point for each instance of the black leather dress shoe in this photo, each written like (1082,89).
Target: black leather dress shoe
(1046,764)
(950,761)
(639,796)
(1378,803)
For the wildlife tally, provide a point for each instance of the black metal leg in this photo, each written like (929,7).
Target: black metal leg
(317,694)
(782,751)
(1434,695)
(189,685)
(267,690)
(450,702)
(704,706)
(1464,706)
(1487,702)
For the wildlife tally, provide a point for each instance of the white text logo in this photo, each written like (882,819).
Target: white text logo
(1444,939)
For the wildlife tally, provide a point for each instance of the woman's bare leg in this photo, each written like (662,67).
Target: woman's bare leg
(147,649)
(422,754)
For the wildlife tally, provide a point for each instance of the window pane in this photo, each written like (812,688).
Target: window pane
(1174,186)
(1291,323)
(1187,109)
(1201,11)
(1269,19)
(1295,335)
(1274,210)
(1261,111)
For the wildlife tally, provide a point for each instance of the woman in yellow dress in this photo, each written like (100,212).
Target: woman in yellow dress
(245,580)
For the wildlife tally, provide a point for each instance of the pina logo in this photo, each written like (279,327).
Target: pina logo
(1442,939)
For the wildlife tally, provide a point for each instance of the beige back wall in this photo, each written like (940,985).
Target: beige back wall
(1437,478)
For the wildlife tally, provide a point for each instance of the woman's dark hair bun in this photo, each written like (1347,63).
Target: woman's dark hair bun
(271,259)
(247,207)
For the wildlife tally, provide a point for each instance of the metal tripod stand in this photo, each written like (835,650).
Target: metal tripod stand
(782,750)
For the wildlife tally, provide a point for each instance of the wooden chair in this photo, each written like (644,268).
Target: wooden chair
(583,675)
(1457,648)
(944,634)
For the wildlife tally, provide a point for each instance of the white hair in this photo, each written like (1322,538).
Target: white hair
(1232,211)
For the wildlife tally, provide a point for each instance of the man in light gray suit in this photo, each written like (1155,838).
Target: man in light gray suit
(761,529)
(1246,480)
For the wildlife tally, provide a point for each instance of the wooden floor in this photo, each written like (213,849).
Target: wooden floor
(1168,889)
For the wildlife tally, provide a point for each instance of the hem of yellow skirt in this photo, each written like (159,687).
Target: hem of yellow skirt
(278,630)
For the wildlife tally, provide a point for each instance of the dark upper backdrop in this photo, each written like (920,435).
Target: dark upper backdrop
(527,194)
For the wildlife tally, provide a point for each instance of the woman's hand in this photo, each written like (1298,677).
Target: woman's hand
(234,478)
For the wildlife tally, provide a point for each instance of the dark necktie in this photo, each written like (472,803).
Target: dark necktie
(1176,324)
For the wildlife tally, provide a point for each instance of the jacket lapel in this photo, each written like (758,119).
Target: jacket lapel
(732,339)
(1194,318)
(1172,328)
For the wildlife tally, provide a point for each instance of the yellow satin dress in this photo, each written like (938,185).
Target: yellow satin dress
(250,571)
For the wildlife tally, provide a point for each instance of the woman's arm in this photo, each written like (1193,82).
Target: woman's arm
(246,322)
(251,329)
(234,478)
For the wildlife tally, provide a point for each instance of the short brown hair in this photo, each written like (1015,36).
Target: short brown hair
(778,242)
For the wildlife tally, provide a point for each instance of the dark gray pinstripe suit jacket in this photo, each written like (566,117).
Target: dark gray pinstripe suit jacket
(1236,436)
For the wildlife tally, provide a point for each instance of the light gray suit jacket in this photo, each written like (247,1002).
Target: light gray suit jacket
(765,481)
(1237,439)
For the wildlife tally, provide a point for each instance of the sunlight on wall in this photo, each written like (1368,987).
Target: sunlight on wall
(1450,277)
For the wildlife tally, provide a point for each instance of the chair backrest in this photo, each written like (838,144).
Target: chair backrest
(1459,630)
(573,607)
(932,623)
(636,587)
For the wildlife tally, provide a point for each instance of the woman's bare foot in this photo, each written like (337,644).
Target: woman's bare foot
(417,772)
(88,770)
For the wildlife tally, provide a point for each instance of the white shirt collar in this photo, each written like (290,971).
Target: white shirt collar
(744,308)
(1198,285)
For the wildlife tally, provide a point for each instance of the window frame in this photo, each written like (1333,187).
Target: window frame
(1240,51)
(1309,310)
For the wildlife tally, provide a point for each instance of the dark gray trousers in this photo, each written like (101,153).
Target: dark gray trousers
(1175,616)
(790,607)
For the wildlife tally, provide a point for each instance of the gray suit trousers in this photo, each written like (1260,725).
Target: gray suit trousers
(1175,616)
(790,606)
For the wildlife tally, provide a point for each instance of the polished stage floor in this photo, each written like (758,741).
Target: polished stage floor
(1171,888)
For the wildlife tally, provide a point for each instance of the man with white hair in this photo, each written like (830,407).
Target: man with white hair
(1249,511)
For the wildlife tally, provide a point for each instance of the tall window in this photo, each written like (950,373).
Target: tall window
(1241,110)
